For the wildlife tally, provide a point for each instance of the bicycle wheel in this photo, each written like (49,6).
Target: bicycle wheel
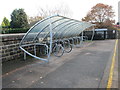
(58,50)
(67,47)
(43,51)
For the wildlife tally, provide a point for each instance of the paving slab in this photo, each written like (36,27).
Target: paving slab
(82,68)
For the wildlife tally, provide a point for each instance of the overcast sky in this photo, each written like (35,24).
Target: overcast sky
(79,8)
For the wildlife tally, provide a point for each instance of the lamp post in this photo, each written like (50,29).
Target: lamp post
(119,11)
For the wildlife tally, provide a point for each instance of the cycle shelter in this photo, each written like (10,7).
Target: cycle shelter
(55,34)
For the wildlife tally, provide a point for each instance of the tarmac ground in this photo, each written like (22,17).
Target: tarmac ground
(84,67)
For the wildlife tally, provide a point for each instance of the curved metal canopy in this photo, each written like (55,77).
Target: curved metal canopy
(62,27)
(53,27)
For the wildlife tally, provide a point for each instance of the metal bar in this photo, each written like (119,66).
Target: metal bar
(34,55)
(24,56)
(32,44)
(82,35)
(50,42)
(35,50)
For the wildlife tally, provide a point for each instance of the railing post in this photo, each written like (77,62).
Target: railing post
(35,50)
(24,56)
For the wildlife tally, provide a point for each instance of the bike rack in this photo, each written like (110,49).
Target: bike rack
(54,28)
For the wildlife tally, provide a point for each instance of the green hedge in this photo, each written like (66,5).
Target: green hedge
(16,30)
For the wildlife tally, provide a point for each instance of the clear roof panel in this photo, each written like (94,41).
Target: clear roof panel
(62,27)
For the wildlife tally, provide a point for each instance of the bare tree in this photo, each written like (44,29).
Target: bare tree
(33,20)
(61,9)
(58,10)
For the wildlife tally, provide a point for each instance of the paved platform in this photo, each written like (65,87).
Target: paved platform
(118,63)
(86,67)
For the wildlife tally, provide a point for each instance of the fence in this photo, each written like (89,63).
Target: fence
(102,35)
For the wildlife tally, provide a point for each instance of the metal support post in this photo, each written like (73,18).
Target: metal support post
(50,42)
(24,56)
(93,34)
(35,50)
(82,35)
(81,39)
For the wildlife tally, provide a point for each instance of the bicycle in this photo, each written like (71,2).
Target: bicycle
(58,49)
(67,46)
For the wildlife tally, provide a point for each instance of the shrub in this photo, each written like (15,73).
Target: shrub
(16,30)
